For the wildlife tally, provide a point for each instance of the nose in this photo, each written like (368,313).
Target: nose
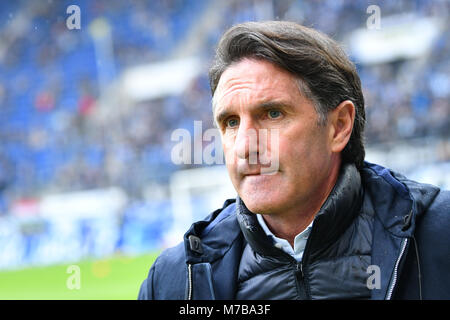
(246,143)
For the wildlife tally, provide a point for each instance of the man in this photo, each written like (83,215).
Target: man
(312,220)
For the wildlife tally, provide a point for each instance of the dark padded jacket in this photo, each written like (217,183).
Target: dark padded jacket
(404,223)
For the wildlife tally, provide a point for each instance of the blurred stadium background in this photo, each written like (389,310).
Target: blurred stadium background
(86,118)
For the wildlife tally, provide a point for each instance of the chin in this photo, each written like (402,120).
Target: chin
(261,204)
(262,194)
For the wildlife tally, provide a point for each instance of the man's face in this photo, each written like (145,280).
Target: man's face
(255,97)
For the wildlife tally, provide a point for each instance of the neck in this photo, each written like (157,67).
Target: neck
(289,224)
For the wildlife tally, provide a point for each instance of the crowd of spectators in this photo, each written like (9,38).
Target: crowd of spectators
(49,85)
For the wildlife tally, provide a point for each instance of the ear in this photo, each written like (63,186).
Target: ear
(341,120)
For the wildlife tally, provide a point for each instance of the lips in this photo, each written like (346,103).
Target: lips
(255,170)
(268,173)
(245,167)
(252,174)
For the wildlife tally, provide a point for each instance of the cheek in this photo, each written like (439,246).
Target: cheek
(292,146)
(300,151)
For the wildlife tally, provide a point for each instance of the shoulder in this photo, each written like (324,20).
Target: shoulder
(436,219)
(433,245)
(441,203)
(167,276)
(170,258)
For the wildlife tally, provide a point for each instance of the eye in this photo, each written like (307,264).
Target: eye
(273,114)
(232,122)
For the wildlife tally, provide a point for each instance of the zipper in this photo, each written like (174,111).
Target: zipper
(189,281)
(304,263)
(394,278)
(299,267)
(300,281)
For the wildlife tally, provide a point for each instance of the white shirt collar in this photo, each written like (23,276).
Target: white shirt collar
(283,244)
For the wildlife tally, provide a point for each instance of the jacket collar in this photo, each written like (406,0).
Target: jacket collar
(335,215)
(209,239)
(399,201)
(216,247)
(397,204)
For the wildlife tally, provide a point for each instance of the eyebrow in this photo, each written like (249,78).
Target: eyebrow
(266,106)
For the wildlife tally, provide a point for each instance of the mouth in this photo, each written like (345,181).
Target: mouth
(261,172)
(248,170)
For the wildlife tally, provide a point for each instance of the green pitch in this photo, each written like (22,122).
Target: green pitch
(118,277)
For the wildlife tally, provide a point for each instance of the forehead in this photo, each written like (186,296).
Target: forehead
(252,81)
